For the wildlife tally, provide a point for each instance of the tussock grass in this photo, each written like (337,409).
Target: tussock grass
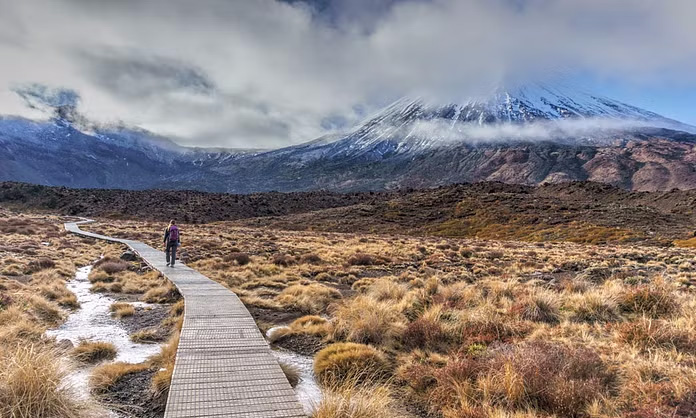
(166,293)
(306,325)
(105,376)
(365,320)
(148,335)
(94,352)
(349,361)
(165,362)
(122,309)
(31,385)
(312,298)
(354,400)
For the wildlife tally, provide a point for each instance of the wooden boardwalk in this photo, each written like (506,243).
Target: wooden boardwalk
(224,366)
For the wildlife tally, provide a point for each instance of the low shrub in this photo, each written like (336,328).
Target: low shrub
(113,267)
(40,264)
(361,259)
(342,362)
(239,258)
(425,334)
(311,258)
(284,260)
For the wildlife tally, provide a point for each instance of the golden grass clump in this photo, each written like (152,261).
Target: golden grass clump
(94,352)
(47,311)
(357,401)
(311,298)
(122,309)
(365,320)
(345,361)
(166,293)
(165,362)
(148,335)
(105,376)
(307,325)
(31,385)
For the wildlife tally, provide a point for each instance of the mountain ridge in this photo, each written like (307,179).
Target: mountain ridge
(528,136)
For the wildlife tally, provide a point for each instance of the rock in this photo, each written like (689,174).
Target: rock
(128,256)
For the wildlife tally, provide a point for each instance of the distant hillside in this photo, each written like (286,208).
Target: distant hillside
(579,212)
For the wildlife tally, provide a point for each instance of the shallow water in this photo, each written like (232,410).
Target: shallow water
(307,390)
(93,322)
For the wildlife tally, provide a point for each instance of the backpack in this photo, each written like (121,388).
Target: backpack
(173,234)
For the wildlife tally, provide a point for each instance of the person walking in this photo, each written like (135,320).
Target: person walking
(172,239)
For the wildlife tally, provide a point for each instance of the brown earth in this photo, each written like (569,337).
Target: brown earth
(582,212)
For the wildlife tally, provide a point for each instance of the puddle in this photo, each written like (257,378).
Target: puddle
(93,322)
(307,390)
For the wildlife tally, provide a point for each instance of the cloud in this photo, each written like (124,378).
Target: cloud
(135,75)
(268,73)
(589,130)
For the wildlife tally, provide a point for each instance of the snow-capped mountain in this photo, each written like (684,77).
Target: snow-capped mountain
(531,112)
(529,134)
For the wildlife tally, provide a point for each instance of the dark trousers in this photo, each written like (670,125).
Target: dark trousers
(171,252)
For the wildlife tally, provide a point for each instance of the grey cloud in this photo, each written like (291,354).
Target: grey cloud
(131,75)
(264,73)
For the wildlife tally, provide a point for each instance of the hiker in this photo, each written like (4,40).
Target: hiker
(172,239)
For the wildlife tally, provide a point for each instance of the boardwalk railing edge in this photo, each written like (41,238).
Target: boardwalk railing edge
(220,349)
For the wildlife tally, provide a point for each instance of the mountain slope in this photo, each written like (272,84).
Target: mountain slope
(528,135)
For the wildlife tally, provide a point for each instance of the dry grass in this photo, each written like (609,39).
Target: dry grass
(105,376)
(31,385)
(311,298)
(122,309)
(165,362)
(462,319)
(357,401)
(165,293)
(94,352)
(349,361)
(147,335)
(365,320)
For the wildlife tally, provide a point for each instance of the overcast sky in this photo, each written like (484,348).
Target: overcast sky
(268,73)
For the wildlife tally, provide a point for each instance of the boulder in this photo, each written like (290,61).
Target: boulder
(128,256)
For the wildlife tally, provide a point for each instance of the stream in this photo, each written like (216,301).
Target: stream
(307,390)
(92,321)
